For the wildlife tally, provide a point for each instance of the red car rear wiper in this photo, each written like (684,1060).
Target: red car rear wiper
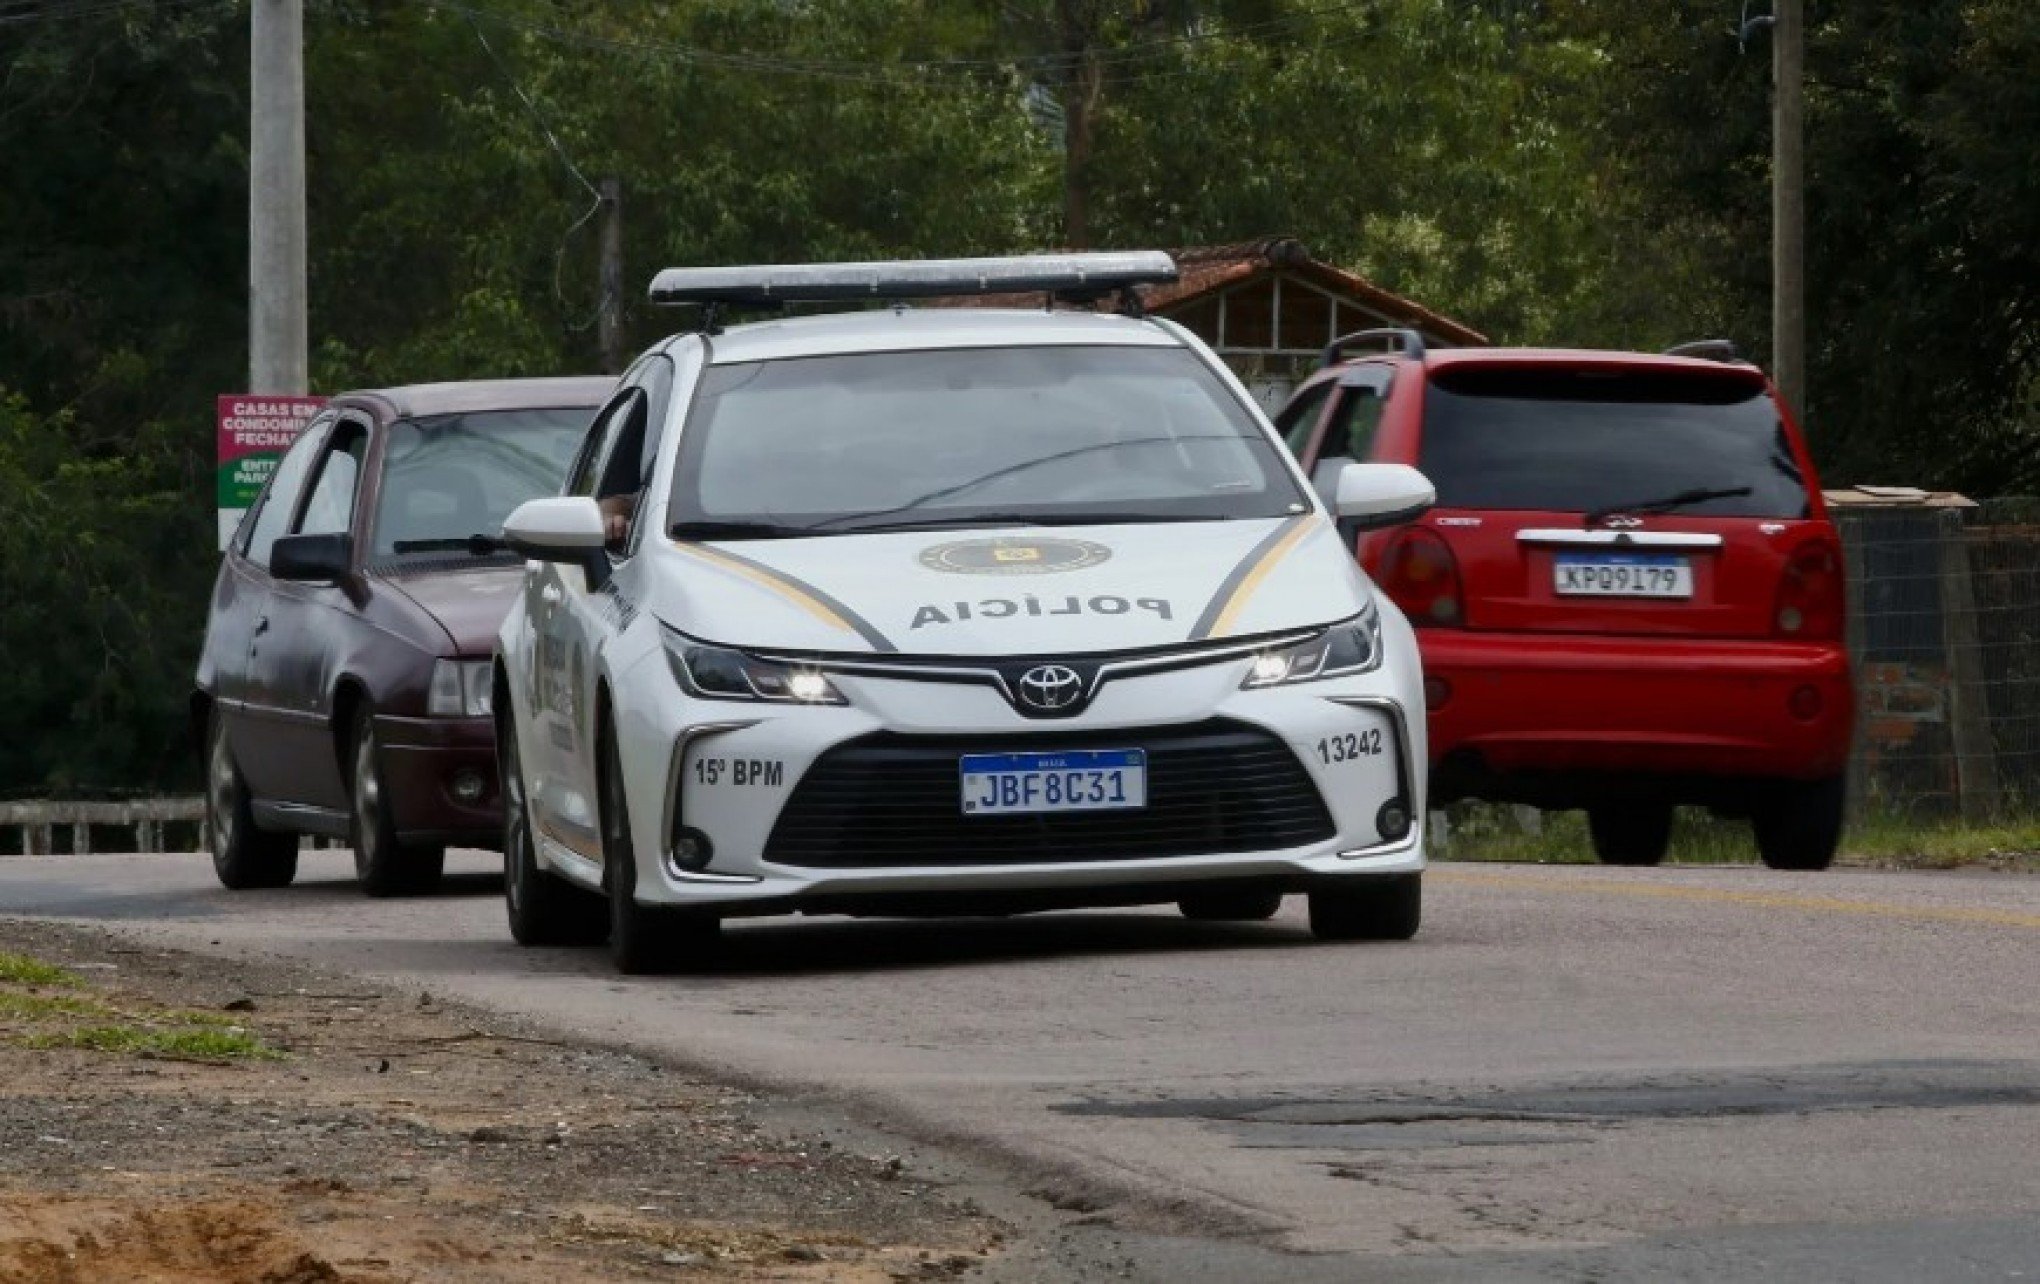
(1682,499)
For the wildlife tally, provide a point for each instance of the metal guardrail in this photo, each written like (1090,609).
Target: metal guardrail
(147,819)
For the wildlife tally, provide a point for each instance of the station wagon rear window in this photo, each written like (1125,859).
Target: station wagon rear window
(1578,441)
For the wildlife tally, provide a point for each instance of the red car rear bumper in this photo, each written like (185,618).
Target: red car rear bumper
(1564,713)
(425,763)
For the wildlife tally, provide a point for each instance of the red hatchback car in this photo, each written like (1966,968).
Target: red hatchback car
(1629,595)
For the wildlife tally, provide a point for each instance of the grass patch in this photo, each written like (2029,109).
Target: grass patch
(50,1007)
(23,970)
(170,1045)
(1486,832)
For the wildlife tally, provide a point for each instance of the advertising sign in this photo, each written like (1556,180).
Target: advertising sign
(254,431)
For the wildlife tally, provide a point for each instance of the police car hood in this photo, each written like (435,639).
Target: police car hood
(1028,591)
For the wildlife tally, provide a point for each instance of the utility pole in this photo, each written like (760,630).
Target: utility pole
(1788,203)
(609,317)
(277,327)
(1077,25)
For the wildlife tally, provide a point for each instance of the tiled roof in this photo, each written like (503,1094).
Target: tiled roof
(1208,268)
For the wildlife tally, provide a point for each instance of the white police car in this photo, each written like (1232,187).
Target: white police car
(951,611)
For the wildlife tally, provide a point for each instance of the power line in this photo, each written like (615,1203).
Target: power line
(1123,58)
(552,140)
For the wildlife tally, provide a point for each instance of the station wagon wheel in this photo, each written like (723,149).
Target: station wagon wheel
(544,909)
(642,938)
(243,856)
(1630,833)
(1374,908)
(385,865)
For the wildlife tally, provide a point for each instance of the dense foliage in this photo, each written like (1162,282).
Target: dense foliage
(1551,170)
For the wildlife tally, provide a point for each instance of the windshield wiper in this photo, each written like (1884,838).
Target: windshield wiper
(1683,499)
(1023,519)
(474,545)
(734,530)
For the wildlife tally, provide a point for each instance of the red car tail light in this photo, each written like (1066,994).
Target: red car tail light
(1420,575)
(1810,601)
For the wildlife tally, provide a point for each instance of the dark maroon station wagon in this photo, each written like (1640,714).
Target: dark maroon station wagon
(344,686)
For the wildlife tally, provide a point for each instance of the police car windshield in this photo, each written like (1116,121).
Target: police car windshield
(448,477)
(997,436)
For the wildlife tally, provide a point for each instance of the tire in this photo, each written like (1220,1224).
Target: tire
(1387,908)
(1230,907)
(643,940)
(1631,833)
(1798,824)
(385,865)
(544,909)
(244,857)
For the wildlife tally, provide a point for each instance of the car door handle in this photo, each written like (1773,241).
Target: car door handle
(261,626)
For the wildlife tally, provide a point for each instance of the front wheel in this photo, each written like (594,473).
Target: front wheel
(643,939)
(1631,833)
(385,865)
(1798,824)
(1382,908)
(243,856)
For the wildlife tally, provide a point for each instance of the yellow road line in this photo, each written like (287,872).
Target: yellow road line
(1766,900)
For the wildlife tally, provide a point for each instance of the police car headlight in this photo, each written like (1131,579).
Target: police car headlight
(460,689)
(718,673)
(1340,651)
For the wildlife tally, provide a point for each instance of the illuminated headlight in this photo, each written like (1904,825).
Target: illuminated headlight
(1344,649)
(460,689)
(718,673)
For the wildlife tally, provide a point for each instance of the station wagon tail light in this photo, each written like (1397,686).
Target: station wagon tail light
(719,673)
(1810,599)
(1420,574)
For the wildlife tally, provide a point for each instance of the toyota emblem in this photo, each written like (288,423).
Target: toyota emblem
(1050,688)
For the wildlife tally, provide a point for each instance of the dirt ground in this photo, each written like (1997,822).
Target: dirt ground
(173,1118)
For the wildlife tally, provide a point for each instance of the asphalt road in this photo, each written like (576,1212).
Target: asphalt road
(1573,1073)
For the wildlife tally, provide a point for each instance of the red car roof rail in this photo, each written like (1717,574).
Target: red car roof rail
(1409,342)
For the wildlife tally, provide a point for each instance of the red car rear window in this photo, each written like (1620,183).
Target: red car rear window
(1586,440)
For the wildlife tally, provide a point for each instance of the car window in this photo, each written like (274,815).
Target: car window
(448,477)
(1301,415)
(279,500)
(1350,434)
(330,509)
(622,471)
(1045,434)
(1584,440)
(595,446)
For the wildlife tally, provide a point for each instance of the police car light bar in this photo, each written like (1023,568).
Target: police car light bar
(1068,276)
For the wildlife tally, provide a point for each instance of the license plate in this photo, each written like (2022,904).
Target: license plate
(1622,575)
(1004,784)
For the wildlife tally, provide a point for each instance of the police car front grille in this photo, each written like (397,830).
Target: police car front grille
(888,800)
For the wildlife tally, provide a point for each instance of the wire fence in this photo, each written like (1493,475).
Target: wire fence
(1944,628)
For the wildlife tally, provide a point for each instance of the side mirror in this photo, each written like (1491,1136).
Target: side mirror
(560,528)
(1371,496)
(315,558)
